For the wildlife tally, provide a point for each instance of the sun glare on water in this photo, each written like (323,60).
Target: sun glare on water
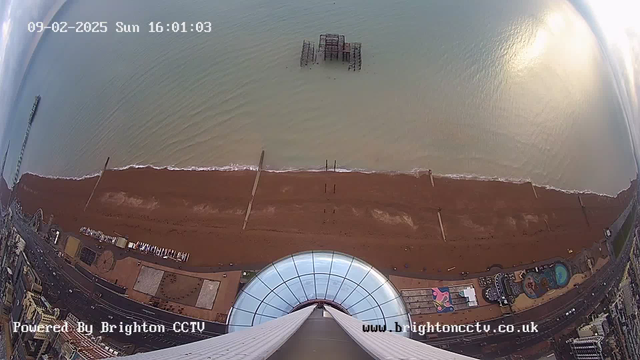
(619,19)
(620,24)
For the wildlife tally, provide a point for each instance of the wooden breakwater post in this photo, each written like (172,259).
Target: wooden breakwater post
(326,165)
(444,237)
(253,192)
(32,115)
(534,190)
(431,178)
(335,162)
(584,211)
(96,185)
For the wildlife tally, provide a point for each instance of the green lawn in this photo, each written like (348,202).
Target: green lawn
(623,234)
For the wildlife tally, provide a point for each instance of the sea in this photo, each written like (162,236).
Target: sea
(516,90)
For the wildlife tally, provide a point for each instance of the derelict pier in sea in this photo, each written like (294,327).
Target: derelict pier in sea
(332,47)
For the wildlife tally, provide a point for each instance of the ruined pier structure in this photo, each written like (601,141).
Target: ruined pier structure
(332,47)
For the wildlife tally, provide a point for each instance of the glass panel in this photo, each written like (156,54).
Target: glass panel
(378,312)
(261,319)
(240,317)
(247,303)
(355,296)
(366,303)
(393,308)
(296,287)
(257,289)
(309,286)
(402,320)
(321,285)
(237,328)
(368,315)
(270,277)
(266,309)
(273,300)
(345,290)
(358,270)
(340,264)
(322,262)
(365,292)
(286,295)
(286,269)
(385,293)
(304,263)
(376,322)
(372,281)
(334,285)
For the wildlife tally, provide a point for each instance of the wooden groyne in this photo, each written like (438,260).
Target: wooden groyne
(97,182)
(34,108)
(253,192)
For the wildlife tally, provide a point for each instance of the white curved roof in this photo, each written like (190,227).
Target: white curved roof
(343,280)
(262,341)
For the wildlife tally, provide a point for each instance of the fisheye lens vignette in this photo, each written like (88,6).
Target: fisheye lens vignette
(345,180)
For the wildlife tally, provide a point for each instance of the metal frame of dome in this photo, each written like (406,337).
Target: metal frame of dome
(342,280)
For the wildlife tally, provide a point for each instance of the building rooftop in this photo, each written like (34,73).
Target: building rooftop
(83,344)
(345,282)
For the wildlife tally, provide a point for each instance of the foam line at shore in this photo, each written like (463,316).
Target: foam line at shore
(414,172)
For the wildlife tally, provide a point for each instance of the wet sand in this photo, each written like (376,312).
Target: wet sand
(387,220)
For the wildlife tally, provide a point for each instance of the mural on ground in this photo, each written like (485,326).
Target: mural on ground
(439,300)
(442,300)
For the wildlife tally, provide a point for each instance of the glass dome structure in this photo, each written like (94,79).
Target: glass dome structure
(343,281)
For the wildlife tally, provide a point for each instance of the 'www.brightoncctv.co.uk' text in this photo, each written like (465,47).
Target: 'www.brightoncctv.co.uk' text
(436,328)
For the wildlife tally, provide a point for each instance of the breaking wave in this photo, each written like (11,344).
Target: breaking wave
(415,172)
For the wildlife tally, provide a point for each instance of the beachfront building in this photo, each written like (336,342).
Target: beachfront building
(313,305)
(598,326)
(587,348)
(74,345)
(37,312)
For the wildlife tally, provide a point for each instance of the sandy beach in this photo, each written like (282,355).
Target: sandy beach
(387,220)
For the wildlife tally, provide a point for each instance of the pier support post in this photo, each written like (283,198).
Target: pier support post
(431,178)
(253,192)
(334,165)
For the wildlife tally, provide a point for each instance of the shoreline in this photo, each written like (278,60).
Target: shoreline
(414,172)
(387,220)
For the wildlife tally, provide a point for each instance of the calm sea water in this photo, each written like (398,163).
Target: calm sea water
(494,88)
